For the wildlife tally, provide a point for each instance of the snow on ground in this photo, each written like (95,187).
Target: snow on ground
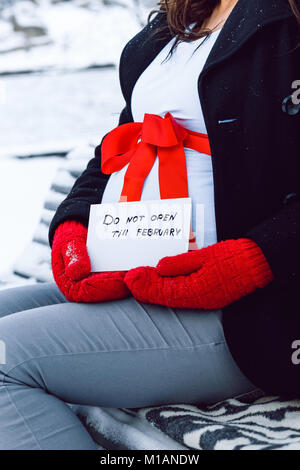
(23,187)
(124,430)
(67,35)
(57,111)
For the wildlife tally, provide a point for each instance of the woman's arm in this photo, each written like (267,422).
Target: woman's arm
(279,240)
(88,189)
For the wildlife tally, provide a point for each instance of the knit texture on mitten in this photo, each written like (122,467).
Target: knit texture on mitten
(210,278)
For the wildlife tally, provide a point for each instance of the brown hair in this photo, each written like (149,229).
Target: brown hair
(182,13)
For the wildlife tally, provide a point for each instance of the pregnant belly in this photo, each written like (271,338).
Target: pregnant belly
(201,191)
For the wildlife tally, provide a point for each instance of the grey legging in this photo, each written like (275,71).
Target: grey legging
(115,354)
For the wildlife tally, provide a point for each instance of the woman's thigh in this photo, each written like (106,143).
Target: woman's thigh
(18,299)
(120,354)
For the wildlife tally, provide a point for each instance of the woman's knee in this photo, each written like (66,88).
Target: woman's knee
(19,299)
(19,344)
(17,365)
(21,365)
(15,299)
(8,302)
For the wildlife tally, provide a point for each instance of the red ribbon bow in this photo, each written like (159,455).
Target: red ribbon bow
(139,143)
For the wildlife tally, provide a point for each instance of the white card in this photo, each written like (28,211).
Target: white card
(125,235)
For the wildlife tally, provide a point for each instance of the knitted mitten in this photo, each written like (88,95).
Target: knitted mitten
(210,278)
(71,268)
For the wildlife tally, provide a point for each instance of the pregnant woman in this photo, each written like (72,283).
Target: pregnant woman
(220,79)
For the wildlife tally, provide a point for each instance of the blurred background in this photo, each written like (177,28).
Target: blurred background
(59,94)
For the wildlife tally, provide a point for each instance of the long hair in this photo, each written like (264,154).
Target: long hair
(183,13)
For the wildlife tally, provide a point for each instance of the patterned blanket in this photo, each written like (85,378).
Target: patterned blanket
(255,422)
(266,423)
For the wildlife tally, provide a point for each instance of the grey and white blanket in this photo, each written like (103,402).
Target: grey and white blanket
(266,423)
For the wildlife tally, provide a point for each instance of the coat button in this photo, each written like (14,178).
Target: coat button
(289,198)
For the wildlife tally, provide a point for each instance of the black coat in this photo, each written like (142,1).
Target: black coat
(255,142)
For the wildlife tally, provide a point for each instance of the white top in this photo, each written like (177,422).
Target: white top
(172,86)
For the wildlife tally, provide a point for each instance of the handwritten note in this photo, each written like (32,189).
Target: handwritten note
(126,235)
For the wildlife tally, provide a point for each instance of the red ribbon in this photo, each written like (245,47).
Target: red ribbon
(139,143)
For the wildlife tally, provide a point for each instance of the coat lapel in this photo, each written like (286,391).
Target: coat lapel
(246,19)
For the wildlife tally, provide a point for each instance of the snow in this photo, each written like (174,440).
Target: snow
(124,430)
(76,34)
(54,111)
(23,188)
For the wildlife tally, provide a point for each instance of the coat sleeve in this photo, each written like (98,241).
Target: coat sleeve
(279,239)
(88,189)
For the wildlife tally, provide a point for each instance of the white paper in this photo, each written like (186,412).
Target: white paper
(125,235)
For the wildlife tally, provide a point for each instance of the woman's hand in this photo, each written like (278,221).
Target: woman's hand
(210,278)
(72,268)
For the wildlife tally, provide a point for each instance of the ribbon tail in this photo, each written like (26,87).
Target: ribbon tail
(138,169)
(173,181)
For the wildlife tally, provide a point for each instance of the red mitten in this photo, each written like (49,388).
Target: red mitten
(69,247)
(71,268)
(206,279)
